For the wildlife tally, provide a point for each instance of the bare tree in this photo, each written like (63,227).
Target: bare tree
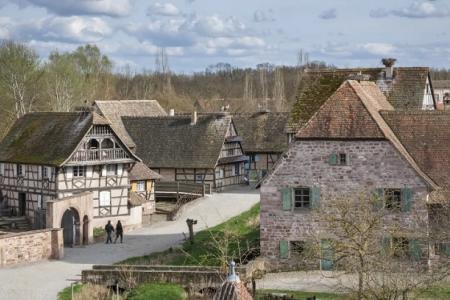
(163,71)
(278,90)
(20,75)
(248,89)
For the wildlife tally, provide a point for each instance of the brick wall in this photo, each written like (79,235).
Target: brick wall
(30,246)
(373,164)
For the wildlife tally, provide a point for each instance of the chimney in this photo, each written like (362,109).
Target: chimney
(194,118)
(389,67)
(172,112)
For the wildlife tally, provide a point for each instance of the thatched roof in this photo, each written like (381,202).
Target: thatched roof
(172,142)
(262,131)
(114,110)
(405,91)
(45,138)
(141,172)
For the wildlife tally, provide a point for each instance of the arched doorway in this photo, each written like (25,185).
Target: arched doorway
(71,227)
(85,230)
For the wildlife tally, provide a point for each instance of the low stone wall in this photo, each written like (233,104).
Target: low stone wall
(31,246)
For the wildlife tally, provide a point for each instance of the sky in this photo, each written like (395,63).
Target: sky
(198,33)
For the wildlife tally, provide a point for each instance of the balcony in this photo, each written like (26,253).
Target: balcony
(96,155)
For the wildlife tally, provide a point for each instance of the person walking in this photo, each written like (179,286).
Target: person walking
(119,232)
(109,230)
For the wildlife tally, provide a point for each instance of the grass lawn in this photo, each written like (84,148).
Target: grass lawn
(437,292)
(215,246)
(299,295)
(157,291)
(66,294)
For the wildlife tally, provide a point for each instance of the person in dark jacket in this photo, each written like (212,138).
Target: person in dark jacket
(109,230)
(119,232)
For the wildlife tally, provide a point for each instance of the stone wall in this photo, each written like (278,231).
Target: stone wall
(372,164)
(31,246)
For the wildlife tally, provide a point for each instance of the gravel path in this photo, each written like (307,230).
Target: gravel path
(45,279)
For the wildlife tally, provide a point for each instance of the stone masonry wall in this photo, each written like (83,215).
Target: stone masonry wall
(373,164)
(30,246)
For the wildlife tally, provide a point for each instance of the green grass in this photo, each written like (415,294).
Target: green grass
(437,292)
(299,295)
(234,238)
(157,291)
(66,294)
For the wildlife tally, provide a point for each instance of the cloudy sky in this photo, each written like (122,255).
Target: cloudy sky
(197,33)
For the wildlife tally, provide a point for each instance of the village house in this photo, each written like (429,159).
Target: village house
(442,93)
(404,88)
(72,165)
(194,149)
(355,142)
(142,181)
(114,110)
(264,139)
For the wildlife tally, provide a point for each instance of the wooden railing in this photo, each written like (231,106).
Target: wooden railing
(99,155)
(176,188)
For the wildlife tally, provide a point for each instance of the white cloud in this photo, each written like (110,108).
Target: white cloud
(5,28)
(379,48)
(74,29)
(216,26)
(163,9)
(260,16)
(112,8)
(417,10)
(328,14)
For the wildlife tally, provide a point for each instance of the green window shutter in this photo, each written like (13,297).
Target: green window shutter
(332,159)
(386,245)
(447,249)
(378,198)
(284,249)
(314,195)
(415,251)
(286,195)
(327,252)
(406,199)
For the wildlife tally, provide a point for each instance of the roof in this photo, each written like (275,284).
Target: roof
(262,131)
(141,172)
(46,138)
(441,84)
(426,136)
(113,110)
(172,142)
(405,91)
(136,199)
(341,117)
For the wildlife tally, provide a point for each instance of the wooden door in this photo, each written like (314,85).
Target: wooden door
(22,204)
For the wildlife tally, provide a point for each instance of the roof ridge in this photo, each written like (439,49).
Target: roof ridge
(388,132)
(127,100)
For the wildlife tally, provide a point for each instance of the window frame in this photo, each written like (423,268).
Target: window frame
(20,170)
(111,172)
(292,248)
(79,171)
(100,199)
(392,195)
(140,184)
(342,159)
(307,194)
(401,251)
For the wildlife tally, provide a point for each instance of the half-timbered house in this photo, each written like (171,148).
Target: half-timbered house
(264,139)
(202,149)
(48,156)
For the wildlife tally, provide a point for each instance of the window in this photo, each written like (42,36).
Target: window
(301,198)
(230,152)
(442,249)
(237,169)
(79,171)
(2,169)
(111,170)
(105,198)
(400,246)
(297,247)
(45,172)
(141,186)
(19,170)
(40,203)
(199,177)
(342,159)
(393,199)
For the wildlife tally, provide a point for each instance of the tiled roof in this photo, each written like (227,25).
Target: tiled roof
(113,110)
(441,84)
(46,138)
(262,131)
(172,142)
(406,91)
(342,117)
(141,172)
(426,136)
